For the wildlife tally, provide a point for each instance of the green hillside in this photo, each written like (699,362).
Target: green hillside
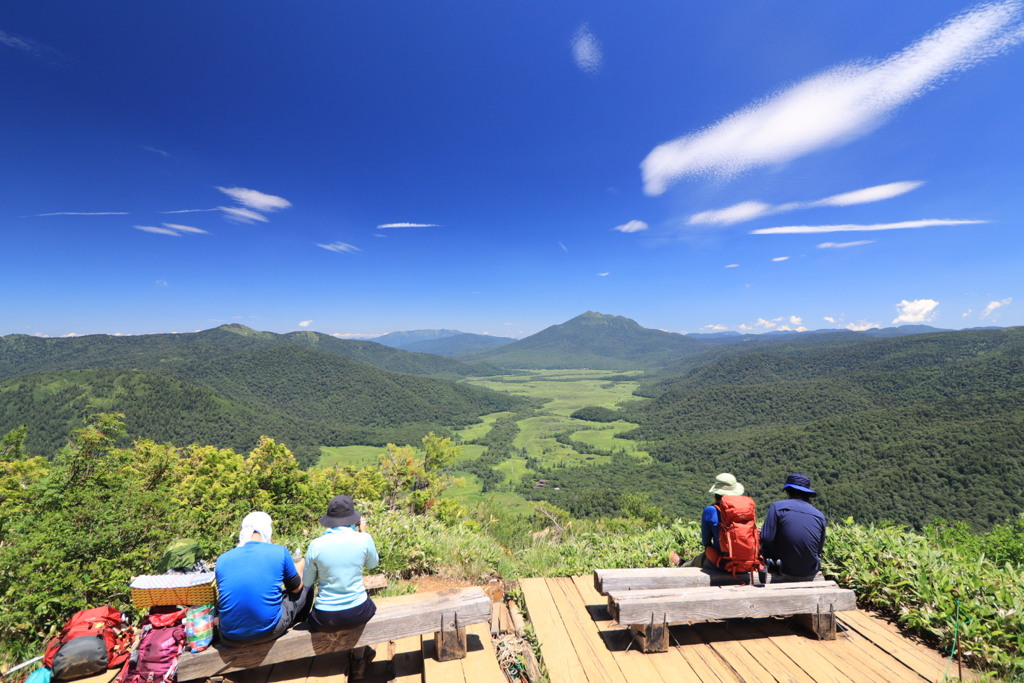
(904,429)
(302,396)
(21,354)
(595,341)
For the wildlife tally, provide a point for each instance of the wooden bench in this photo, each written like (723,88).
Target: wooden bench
(648,612)
(444,613)
(609,580)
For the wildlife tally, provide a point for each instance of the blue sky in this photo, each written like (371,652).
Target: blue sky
(497,167)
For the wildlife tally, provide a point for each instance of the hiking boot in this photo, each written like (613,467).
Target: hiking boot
(674,559)
(357,665)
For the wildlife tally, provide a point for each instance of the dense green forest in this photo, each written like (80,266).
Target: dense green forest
(133,501)
(204,393)
(21,354)
(903,429)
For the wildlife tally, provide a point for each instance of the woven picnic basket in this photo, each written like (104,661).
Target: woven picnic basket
(174,589)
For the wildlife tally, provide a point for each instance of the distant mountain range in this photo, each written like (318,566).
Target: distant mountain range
(441,342)
(229,385)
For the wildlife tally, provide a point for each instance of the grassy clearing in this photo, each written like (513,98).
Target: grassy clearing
(563,392)
(354,456)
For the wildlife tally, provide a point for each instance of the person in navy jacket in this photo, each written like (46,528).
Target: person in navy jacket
(793,534)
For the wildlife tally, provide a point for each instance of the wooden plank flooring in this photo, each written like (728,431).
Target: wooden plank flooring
(577,635)
(580,643)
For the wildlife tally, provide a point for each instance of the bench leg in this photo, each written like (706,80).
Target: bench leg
(822,624)
(652,637)
(450,644)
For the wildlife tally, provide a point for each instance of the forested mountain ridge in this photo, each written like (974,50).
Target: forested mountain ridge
(20,354)
(593,340)
(901,429)
(297,392)
(458,344)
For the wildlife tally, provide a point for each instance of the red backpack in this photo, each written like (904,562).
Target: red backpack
(163,638)
(737,535)
(92,640)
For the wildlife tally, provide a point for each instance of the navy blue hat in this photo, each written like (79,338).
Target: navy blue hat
(800,483)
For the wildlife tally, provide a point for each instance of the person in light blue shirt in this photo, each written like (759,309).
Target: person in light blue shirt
(334,564)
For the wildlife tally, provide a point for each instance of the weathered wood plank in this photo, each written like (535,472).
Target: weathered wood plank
(702,658)
(435,671)
(746,666)
(634,607)
(481,662)
(430,612)
(560,656)
(766,652)
(607,580)
(807,655)
(927,663)
(649,578)
(597,661)
(406,665)
(652,593)
(633,665)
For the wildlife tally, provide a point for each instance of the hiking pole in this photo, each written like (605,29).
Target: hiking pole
(21,666)
(956,639)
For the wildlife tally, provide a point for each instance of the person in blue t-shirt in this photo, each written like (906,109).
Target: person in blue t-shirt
(251,604)
(793,534)
(725,485)
(334,562)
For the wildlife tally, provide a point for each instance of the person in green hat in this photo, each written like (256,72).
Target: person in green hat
(725,485)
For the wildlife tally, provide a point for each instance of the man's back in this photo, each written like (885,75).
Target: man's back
(794,532)
(249,588)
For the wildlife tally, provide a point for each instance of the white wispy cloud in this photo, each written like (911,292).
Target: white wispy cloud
(157,230)
(837,106)
(16,42)
(780,258)
(716,327)
(79,213)
(916,311)
(632,226)
(154,150)
(829,319)
(186,228)
(749,210)
(387,226)
(844,245)
(737,213)
(193,210)
(563,247)
(305,323)
(868,195)
(603,274)
(586,50)
(161,283)
(993,305)
(967,313)
(853,227)
(733,265)
(861,326)
(339,247)
(357,335)
(256,200)
(240,215)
